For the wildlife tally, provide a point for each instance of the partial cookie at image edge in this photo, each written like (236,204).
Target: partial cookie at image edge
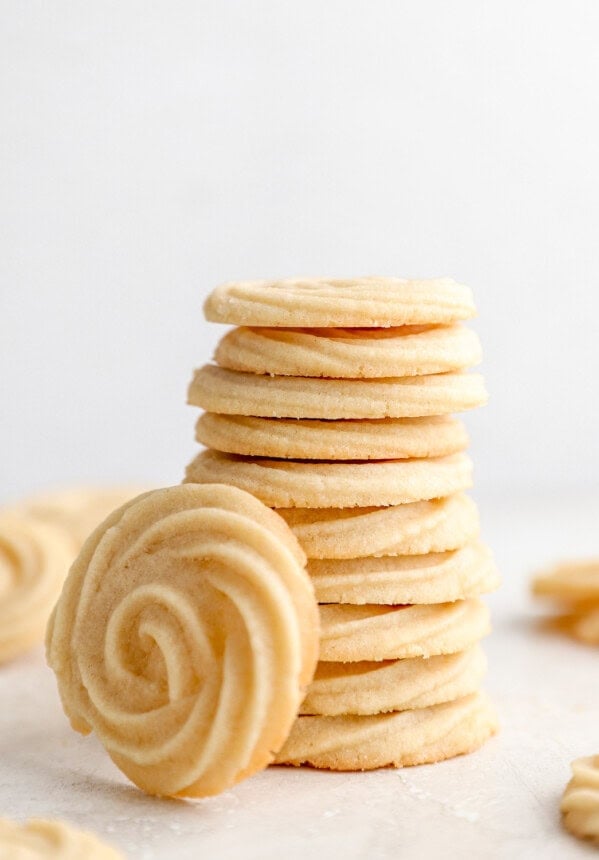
(580,801)
(35,558)
(51,840)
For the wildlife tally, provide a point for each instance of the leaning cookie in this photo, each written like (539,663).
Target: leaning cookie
(396,685)
(420,736)
(34,561)
(432,578)
(306,439)
(232,392)
(293,483)
(185,635)
(352,633)
(350,353)
(340,302)
(580,803)
(51,840)
(416,528)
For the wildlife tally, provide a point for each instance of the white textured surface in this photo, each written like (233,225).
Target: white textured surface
(501,802)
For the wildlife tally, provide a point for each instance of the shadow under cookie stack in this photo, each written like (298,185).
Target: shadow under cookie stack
(332,402)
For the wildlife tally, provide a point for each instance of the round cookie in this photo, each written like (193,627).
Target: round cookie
(431,578)
(408,529)
(77,510)
(403,738)
(34,561)
(184,637)
(340,302)
(580,803)
(570,582)
(232,392)
(51,840)
(350,633)
(350,353)
(398,685)
(292,483)
(305,439)
(38,839)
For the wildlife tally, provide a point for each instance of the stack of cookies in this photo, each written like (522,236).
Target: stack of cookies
(332,402)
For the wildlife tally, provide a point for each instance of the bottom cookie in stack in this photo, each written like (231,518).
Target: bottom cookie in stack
(400,664)
(399,738)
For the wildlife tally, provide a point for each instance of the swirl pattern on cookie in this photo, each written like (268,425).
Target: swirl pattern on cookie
(293,483)
(51,840)
(233,392)
(363,353)
(397,685)
(401,738)
(350,633)
(580,803)
(185,634)
(571,581)
(409,529)
(431,578)
(34,561)
(340,302)
(306,439)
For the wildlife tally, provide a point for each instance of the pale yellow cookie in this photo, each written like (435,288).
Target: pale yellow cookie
(350,353)
(398,685)
(336,302)
(352,633)
(305,439)
(580,803)
(409,529)
(570,581)
(51,840)
(292,483)
(232,392)
(401,738)
(431,578)
(34,561)
(185,635)
(78,510)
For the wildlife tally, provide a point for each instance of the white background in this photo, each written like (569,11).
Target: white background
(151,150)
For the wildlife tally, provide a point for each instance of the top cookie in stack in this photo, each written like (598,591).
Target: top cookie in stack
(332,402)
